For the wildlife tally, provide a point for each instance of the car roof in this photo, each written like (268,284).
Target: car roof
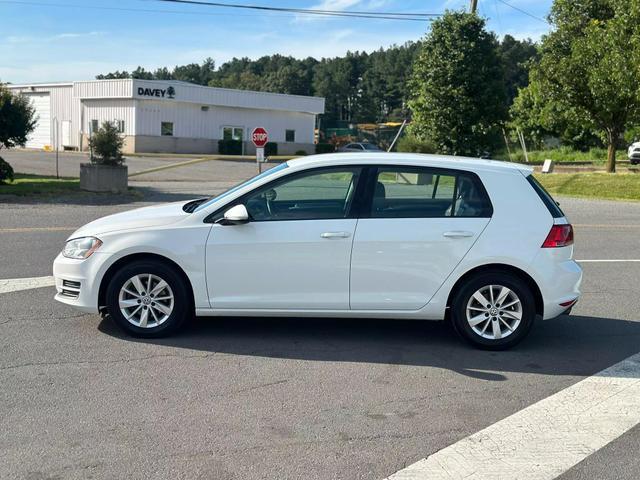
(417,159)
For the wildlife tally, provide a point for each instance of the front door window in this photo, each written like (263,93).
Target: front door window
(325,194)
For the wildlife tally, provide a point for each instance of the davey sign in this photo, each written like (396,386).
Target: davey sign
(168,92)
(259,137)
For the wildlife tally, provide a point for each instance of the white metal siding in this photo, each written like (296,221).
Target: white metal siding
(62,107)
(103,89)
(41,134)
(109,110)
(189,121)
(62,111)
(81,102)
(185,92)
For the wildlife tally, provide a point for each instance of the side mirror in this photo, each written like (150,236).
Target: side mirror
(235,216)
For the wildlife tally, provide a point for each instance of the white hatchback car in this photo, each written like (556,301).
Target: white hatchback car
(344,235)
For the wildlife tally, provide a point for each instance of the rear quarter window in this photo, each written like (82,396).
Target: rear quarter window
(547,199)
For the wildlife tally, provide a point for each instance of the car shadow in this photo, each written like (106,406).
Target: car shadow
(568,345)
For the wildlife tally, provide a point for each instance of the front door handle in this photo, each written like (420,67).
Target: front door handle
(457,234)
(334,234)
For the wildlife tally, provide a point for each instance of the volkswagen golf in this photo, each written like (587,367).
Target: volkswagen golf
(373,235)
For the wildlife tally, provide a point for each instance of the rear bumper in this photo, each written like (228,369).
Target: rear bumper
(559,283)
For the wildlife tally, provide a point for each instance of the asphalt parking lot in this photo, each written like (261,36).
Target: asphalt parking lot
(253,398)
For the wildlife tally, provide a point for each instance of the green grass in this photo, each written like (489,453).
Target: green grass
(562,155)
(25,185)
(618,186)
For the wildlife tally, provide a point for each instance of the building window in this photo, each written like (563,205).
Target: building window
(94,126)
(166,129)
(120,125)
(290,135)
(232,133)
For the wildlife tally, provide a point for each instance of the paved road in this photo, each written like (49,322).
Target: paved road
(284,398)
(215,171)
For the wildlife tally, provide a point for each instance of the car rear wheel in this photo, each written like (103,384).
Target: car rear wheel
(494,310)
(148,299)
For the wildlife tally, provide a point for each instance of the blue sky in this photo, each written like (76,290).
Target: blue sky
(55,40)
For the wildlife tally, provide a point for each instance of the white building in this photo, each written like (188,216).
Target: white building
(168,116)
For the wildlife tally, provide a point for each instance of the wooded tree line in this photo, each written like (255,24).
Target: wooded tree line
(359,87)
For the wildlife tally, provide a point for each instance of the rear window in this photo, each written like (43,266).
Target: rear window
(550,203)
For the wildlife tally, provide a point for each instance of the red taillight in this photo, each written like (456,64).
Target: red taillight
(559,236)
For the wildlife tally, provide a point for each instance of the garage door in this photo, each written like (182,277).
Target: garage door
(41,135)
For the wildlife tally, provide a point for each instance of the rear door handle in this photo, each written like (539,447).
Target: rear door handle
(457,234)
(334,234)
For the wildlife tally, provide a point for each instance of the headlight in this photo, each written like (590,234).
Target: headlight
(81,248)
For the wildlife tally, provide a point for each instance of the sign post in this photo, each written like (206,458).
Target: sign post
(259,137)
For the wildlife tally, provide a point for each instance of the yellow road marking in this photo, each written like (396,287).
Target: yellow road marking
(171,165)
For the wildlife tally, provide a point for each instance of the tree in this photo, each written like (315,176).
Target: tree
(538,118)
(194,73)
(17,121)
(114,75)
(589,66)
(458,92)
(516,57)
(106,145)
(142,74)
(17,118)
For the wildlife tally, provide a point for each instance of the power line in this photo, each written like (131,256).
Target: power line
(540,19)
(121,9)
(272,10)
(420,17)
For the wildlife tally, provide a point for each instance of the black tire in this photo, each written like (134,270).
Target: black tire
(465,292)
(182,304)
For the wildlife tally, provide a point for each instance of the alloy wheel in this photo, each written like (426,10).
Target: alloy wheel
(146,300)
(494,312)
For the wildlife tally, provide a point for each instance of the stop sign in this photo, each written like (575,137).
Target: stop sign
(259,137)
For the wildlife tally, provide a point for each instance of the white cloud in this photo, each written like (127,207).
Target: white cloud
(14,39)
(340,6)
(335,4)
(76,35)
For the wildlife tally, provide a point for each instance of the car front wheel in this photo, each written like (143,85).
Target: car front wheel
(148,299)
(494,311)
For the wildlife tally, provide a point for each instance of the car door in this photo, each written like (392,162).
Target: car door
(295,251)
(417,226)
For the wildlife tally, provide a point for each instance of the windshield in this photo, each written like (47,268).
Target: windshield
(369,146)
(264,174)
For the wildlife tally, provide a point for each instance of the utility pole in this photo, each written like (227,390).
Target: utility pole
(474,6)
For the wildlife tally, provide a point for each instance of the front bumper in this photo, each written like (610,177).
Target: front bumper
(78,281)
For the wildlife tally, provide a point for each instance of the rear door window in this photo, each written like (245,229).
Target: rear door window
(415,192)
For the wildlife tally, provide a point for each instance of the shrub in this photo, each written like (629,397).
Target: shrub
(325,148)
(411,144)
(301,153)
(270,149)
(230,147)
(106,145)
(6,172)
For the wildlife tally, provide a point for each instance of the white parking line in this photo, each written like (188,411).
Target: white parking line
(546,439)
(17,284)
(611,260)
